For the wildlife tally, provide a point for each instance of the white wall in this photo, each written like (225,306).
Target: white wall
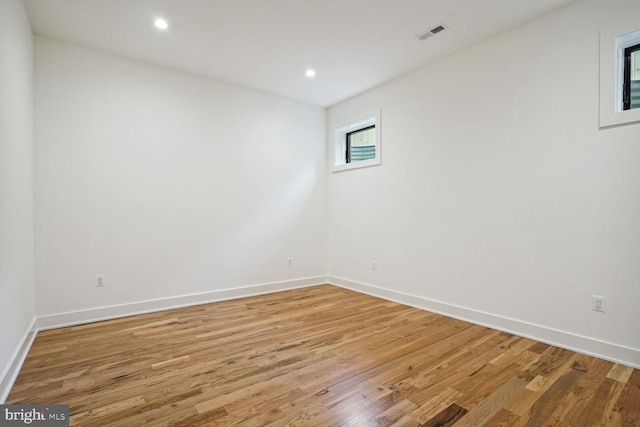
(16,182)
(497,191)
(168,183)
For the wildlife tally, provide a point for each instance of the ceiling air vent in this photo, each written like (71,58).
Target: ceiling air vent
(431,32)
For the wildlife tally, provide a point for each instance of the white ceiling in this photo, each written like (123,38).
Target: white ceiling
(267,45)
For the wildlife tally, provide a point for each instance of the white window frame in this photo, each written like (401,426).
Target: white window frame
(340,143)
(613,41)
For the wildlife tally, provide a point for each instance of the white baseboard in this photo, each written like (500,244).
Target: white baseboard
(17,359)
(112,312)
(578,343)
(601,349)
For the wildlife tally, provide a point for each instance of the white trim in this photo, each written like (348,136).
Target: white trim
(53,321)
(563,339)
(578,343)
(17,359)
(97,314)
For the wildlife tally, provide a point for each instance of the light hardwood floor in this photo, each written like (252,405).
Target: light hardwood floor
(320,356)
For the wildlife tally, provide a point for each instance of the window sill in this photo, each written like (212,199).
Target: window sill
(356,165)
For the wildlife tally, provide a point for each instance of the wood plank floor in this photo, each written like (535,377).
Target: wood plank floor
(320,356)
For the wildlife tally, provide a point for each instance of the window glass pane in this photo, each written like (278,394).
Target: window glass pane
(362,144)
(363,137)
(635,80)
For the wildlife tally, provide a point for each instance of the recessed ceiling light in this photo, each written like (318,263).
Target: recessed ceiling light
(310,73)
(161,24)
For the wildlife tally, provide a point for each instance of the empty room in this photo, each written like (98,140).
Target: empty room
(306,213)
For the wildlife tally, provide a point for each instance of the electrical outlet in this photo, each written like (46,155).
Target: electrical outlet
(100,280)
(597,303)
(289,262)
(373,264)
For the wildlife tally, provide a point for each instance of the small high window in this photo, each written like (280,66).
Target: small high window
(357,144)
(631,88)
(620,74)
